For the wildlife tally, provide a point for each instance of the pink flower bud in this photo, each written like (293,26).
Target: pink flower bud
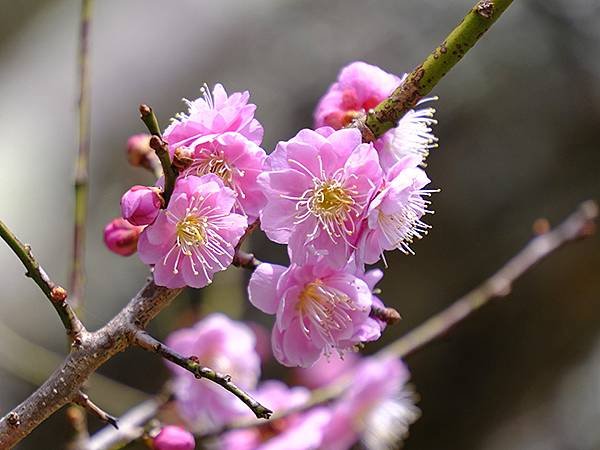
(121,237)
(139,153)
(173,437)
(138,147)
(140,205)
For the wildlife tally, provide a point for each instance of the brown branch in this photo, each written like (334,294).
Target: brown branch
(131,426)
(191,364)
(94,349)
(83,400)
(55,293)
(580,224)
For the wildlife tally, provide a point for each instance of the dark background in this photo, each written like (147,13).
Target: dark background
(519,118)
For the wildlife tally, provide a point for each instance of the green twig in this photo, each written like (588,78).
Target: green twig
(55,293)
(162,150)
(427,74)
(83,156)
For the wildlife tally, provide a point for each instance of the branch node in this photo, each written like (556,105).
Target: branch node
(485,8)
(58,294)
(13,420)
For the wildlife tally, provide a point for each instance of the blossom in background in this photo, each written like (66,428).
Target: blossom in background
(377,408)
(121,237)
(195,236)
(173,437)
(225,346)
(214,114)
(325,370)
(237,161)
(140,204)
(302,431)
(318,310)
(318,186)
(359,87)
(394,216)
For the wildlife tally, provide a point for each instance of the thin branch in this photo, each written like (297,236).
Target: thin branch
(160,147)
(580,224)
(93,351)
(79,434)
(427,74)
(82,166)
(83,400)
(55,293)
(191,364)
(131,426)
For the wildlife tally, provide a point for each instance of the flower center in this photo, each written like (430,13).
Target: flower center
(326,309)
(214,164)
(191,232)
(331,203)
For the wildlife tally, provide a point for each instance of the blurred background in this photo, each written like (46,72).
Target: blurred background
(518,124)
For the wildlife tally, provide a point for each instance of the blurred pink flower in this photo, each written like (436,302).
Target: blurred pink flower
(195,236)
(225,346)
(359,87)
(325,371)
(394,216)
(214,114)
(140,205)
(318,186)
(173,437)
(318,310)
(121,237)
(377,408)
(237,161)
(302,431)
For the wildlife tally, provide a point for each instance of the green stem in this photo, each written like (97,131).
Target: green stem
(83,156)
(162,150)
(55,293)
(427,74)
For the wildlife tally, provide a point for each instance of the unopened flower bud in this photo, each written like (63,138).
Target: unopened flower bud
(140,204)
(121,237)
(140,154)
(173,437)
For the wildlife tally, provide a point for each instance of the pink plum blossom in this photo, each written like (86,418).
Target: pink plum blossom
(225,346)
(394,216)
(195,236)
(412,136)
(237,161)
(173,437)
(303,431)
(140,204)
(212,115)
(121,237)
(377,408)
(359,87)
(318,310)
(318,186)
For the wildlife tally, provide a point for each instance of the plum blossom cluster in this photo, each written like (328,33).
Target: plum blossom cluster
(215,196)
(337,204)
(377,408)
